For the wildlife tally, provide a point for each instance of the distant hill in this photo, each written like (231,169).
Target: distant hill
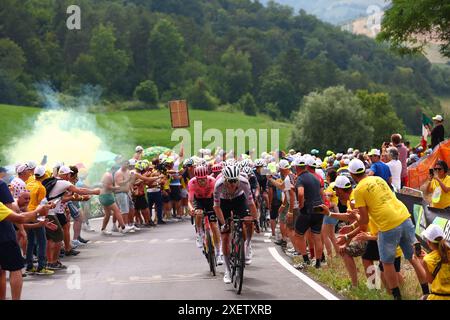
(333,11)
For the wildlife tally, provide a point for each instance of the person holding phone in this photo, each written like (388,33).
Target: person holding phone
(439,185)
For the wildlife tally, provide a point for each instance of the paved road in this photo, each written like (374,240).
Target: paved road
(164,263)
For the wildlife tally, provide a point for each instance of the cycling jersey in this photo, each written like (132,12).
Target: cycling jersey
(262,181)
(220,191)
(197,191)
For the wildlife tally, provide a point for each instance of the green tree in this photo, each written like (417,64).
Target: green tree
(147,91)
(12,59)
(404,20)
(166,53)
(248,105)
(332,120)
(200,97)
(380,115)
(237,74)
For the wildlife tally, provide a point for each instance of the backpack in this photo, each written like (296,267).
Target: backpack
(49,184)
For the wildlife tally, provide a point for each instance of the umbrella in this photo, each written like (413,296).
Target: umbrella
(153,152)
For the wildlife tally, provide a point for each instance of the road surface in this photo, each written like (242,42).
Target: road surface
(164,263)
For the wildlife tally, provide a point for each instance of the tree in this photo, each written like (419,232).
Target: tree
(248,105)
(332,120)
(200,97)
(166,53)
(380,115)
(147,91)
(12,58)
(405,20)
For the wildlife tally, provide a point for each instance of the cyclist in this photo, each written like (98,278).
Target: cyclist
(263,184)
(200,199)
(232,194)
(216,170)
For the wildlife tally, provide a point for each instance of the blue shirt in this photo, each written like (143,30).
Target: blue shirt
(381,170)
(7,232)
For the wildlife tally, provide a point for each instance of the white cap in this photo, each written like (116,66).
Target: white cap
(284,164)
(64,170)
(31,164)
(433,232)
(342,182)
(132,162)
(139,148)
(438,117)
(356,166)
(298,162)
(318,162)
(346,161)
(21,168)
(374,152)
(39,171)
(310,162)
(350,150)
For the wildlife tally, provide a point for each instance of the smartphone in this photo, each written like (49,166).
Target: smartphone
(417,248)
(431,171)
(318,209)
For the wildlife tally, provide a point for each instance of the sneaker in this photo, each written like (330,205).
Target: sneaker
(72,252)
(227,277)
(87,228)
(76,243)
(290,250)
(280,242)
(292,254)
(106,232)
(114,228)
(53,266)
(151,223)
(162,222)
(199,241)
(60,265)
(82,240)
(30,271)
(300,266)
(219,260)
(44,272)
(135,228)
(127,229)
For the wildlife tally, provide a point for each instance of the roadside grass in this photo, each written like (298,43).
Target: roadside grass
(335,277)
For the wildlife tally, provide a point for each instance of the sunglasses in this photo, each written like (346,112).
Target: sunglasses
(438,169)
(232,181)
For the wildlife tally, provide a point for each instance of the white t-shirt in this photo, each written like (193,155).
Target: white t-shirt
(18,186)
(60,187)
(288,186)
(395,166)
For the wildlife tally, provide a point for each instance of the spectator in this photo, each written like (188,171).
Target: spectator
(439,185)
(395,167)
(2,173)
(378,168)
(437,134)
(402,156)
(138,154)
(18,184)
(436,263)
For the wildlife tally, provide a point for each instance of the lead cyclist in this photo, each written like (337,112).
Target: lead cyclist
(232,194)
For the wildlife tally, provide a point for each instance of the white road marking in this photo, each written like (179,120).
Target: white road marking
(153,241)
(133,241)
(102,241)
(314,285)
(267,240)
(170,240)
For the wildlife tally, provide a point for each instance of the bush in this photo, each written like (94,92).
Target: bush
(147,91)
(200,97)
(272,110)
(248,105)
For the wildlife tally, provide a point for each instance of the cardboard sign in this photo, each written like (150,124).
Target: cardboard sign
(179,114)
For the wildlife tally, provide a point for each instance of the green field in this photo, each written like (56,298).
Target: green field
(126,129)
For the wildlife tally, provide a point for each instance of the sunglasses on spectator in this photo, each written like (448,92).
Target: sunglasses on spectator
(438,169)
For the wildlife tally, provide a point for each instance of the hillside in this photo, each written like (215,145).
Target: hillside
(125,130)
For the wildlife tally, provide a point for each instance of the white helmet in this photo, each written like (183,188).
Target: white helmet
(248,171)
(259,163)
(231,172)
(230,163)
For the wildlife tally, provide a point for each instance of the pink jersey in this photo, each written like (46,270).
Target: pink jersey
(195,190)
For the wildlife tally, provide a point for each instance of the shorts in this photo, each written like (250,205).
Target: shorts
(62,219)
(356,248)
(124,202)
(290,225)
(184,193)
(57,235)
(175,193)
(74,210)
(403,236)
(106,199)
(330,220)
(140,203)
(371,252)
(238,205)
(307,221)
(165,198)
(207,205)
(397,264)
(10,256)
(274,211)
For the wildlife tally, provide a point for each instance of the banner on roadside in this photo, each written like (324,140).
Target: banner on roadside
(179,114)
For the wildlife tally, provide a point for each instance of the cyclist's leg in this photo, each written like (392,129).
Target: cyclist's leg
(225,237)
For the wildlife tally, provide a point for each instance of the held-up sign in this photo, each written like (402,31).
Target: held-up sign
(179,114)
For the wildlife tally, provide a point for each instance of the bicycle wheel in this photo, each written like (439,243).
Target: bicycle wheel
(240,266)
(211,254)
(233,260)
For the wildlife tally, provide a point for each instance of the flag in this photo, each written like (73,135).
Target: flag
(426,125)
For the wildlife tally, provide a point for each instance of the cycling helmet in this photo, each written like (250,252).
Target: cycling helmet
(245,163)
(230,163)
(188,162)
(231,172)
(138,166)
(202,162)
(248,171)
(201,172)
(217,167)
(259,163)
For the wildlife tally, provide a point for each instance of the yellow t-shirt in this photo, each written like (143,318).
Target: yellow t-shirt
(37,194)
(440,199)
(4,211)
(384,209)
(31,179)
(351,200)
(332,194)
(342,168)
(441,283)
